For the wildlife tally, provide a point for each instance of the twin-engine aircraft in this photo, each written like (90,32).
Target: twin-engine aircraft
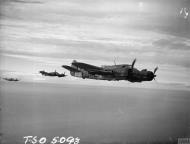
(11,79)
(52,74)
(110,73)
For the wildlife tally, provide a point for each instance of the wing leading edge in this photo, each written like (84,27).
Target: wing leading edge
(70,68)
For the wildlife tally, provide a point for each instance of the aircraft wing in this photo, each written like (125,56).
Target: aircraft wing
(92,69)
(70,68)
(85,66)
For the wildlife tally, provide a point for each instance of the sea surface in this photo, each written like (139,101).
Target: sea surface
(95,114)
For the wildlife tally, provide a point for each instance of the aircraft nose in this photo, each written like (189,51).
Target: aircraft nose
(150,75)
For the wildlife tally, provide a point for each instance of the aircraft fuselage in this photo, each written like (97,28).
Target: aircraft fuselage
(110,73)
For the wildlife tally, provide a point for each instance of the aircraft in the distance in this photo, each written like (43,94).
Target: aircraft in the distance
(11,79)
(110,72)
(52,74)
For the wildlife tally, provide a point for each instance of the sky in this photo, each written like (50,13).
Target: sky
(44,34)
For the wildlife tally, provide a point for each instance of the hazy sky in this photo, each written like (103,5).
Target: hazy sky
(45,34)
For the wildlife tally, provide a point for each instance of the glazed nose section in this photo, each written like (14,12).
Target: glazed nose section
(150,75)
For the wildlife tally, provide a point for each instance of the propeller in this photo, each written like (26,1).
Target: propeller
(155,72)
(130,71)
(133,63)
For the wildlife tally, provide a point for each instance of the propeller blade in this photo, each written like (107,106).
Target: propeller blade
(155,80)
(155,70)
(133,63)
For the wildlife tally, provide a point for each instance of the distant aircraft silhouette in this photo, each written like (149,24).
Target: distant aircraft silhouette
(11,79)
(52,73)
